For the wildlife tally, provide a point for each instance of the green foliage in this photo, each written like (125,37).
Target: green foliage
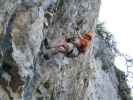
(47,84)
(101,31)
(107,50)
(60,4)
(123,89)
(106,67)
(47,14)
(107,54)
(40,2)
(106,36)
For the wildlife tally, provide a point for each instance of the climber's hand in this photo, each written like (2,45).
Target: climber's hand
(61,49)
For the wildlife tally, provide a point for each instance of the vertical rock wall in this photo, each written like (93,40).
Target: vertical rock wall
(24,72)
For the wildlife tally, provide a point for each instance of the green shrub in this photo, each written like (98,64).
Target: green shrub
(47,84)
(123,89)
(106,52)
(107,55)
(60,4)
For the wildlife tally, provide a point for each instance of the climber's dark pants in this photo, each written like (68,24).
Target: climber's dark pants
(73,53)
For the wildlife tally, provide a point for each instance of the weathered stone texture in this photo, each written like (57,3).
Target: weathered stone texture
(32,77)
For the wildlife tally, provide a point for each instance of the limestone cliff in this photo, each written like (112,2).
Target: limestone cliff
(24,72)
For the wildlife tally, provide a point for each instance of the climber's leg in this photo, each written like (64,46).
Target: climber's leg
(67,48)
(55,43)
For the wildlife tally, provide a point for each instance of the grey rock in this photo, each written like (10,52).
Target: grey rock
(59,78)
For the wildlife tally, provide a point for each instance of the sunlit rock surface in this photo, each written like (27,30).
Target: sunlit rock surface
(24,72)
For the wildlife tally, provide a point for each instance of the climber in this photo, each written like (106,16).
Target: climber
(72,47)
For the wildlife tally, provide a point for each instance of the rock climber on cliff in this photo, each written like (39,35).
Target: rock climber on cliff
(71,47)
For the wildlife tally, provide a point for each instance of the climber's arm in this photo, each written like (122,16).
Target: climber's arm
(79,35)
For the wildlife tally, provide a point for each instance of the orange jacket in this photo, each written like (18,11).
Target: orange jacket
(85,41)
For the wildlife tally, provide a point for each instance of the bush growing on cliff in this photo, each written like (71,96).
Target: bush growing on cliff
(107,55)
(60,3)
(107,50)
(123,89)
(106,36)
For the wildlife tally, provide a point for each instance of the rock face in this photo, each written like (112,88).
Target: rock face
(24,72)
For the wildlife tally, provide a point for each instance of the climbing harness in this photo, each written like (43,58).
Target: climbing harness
(73,53)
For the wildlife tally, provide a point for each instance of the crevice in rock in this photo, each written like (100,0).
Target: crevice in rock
(8,64)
